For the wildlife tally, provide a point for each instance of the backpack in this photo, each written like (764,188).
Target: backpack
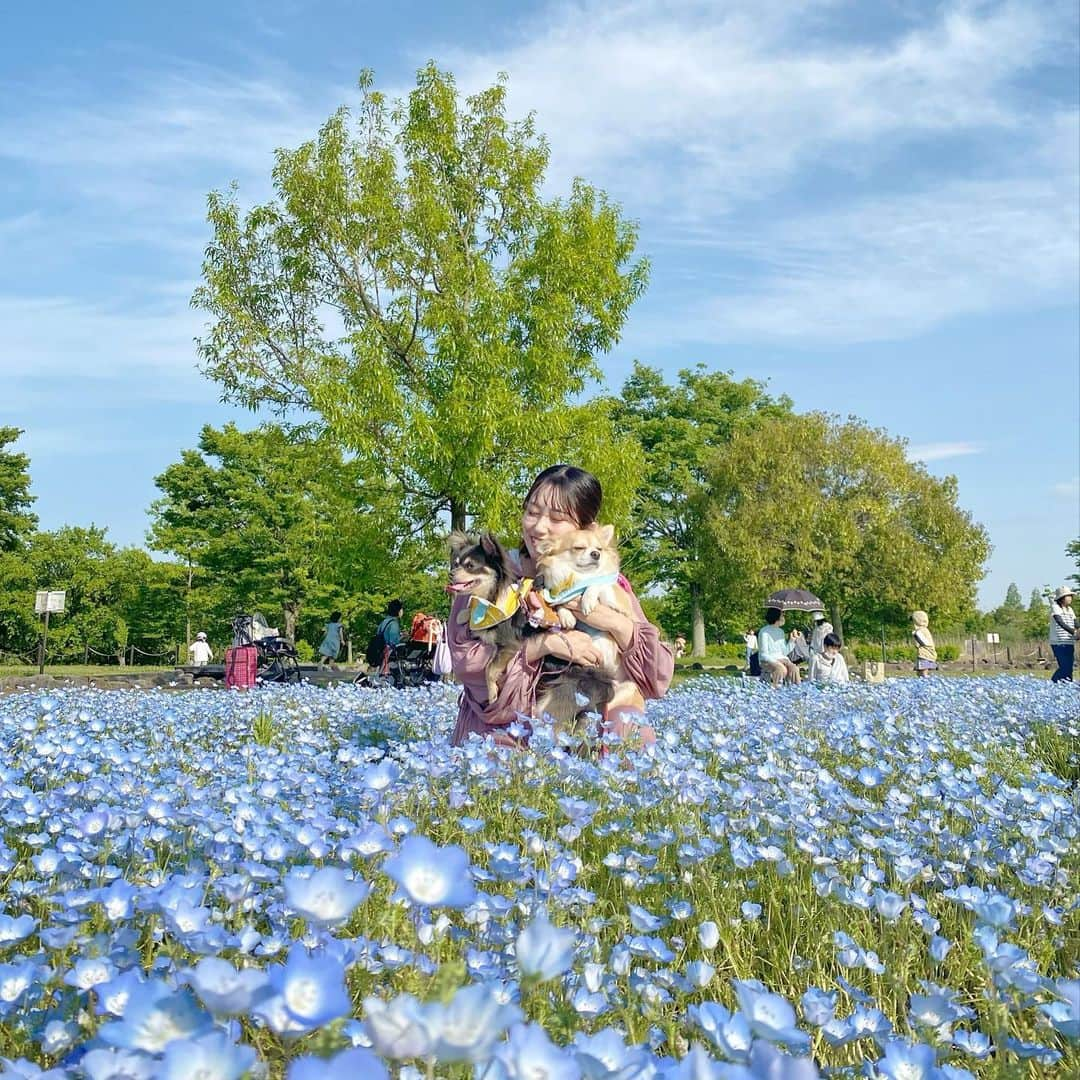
(377,646)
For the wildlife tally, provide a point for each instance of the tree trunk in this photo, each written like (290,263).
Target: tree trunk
(837,622)
(457,514)
(697,621)
(291,611)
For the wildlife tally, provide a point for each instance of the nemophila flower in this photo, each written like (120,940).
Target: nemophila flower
(22,1069)
(356,1063)
(939,948)
(642,920)
(399,1029)
(15,979)
(325,896)
(58,1036)
(311,988)
(769,1015)
(107,1063)
(14,930)
(213,1055)
(529,1053)
(470,1024)
(729,1033)
(113,996)
(697,1065)
(973,1043)
(544,951)
(709,935)
(907,1061)
(89,972)
(155,1017)
(606,1055)
(818,1006)
(751,912)
(1044,1055)
(700,973)
(769,1063)
(226,991)
(995,910)
(431,876)
(1064,1014)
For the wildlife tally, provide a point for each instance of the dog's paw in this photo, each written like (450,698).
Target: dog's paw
(566,619)
(589,599)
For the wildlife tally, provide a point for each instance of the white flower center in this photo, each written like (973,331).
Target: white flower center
(301,996)
(425,885)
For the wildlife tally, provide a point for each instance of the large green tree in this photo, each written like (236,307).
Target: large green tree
(16,520)
(812,502)
(412,287)
(276,521)
(1072,549)
(679,427)
(17,525)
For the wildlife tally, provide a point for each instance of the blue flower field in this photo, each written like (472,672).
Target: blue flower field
(869,881)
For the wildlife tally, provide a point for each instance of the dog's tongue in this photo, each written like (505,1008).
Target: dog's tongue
(453,587)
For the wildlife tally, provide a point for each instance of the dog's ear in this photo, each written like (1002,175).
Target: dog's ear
(459,541)
(492,546)
(605,534)
(544,548)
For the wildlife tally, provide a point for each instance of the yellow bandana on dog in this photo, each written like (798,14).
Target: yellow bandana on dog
(483,614)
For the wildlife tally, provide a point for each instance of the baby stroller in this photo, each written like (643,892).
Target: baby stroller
(410,662)
(278,659)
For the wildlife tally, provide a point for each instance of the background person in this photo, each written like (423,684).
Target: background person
(750,639)
(926,656)
(330,645)
(829,665)
(773,651)
(822,628)
(199,651)
(562,499)
(1063,633)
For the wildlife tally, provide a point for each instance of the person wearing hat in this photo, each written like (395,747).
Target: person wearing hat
(822,627)
(925,649)
(199,651)
(1063,633)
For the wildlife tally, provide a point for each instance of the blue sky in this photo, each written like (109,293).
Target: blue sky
(872,206)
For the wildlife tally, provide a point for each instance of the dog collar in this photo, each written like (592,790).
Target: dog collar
(483,614)
(570,589)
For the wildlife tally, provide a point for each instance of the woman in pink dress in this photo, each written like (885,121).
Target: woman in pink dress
(561,499)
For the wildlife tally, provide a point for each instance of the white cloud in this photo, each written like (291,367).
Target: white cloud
(700,116)
(727,100)
(942,451)
(56,336)
(1070,489)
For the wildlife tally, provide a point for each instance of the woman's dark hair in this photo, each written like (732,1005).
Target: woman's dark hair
(576,492)
(395,608)
(335,616)
(772,615)
(831,641)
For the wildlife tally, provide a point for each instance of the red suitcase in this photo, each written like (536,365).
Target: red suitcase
(241,666)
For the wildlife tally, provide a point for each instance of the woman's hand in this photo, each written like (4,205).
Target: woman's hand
(573,645)
(607,619)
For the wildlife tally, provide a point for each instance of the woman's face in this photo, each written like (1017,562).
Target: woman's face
(545,518)
(1066,601)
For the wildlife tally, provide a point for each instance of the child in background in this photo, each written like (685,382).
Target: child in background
(199,651)
(924,641)
(330,645)
(828,665)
